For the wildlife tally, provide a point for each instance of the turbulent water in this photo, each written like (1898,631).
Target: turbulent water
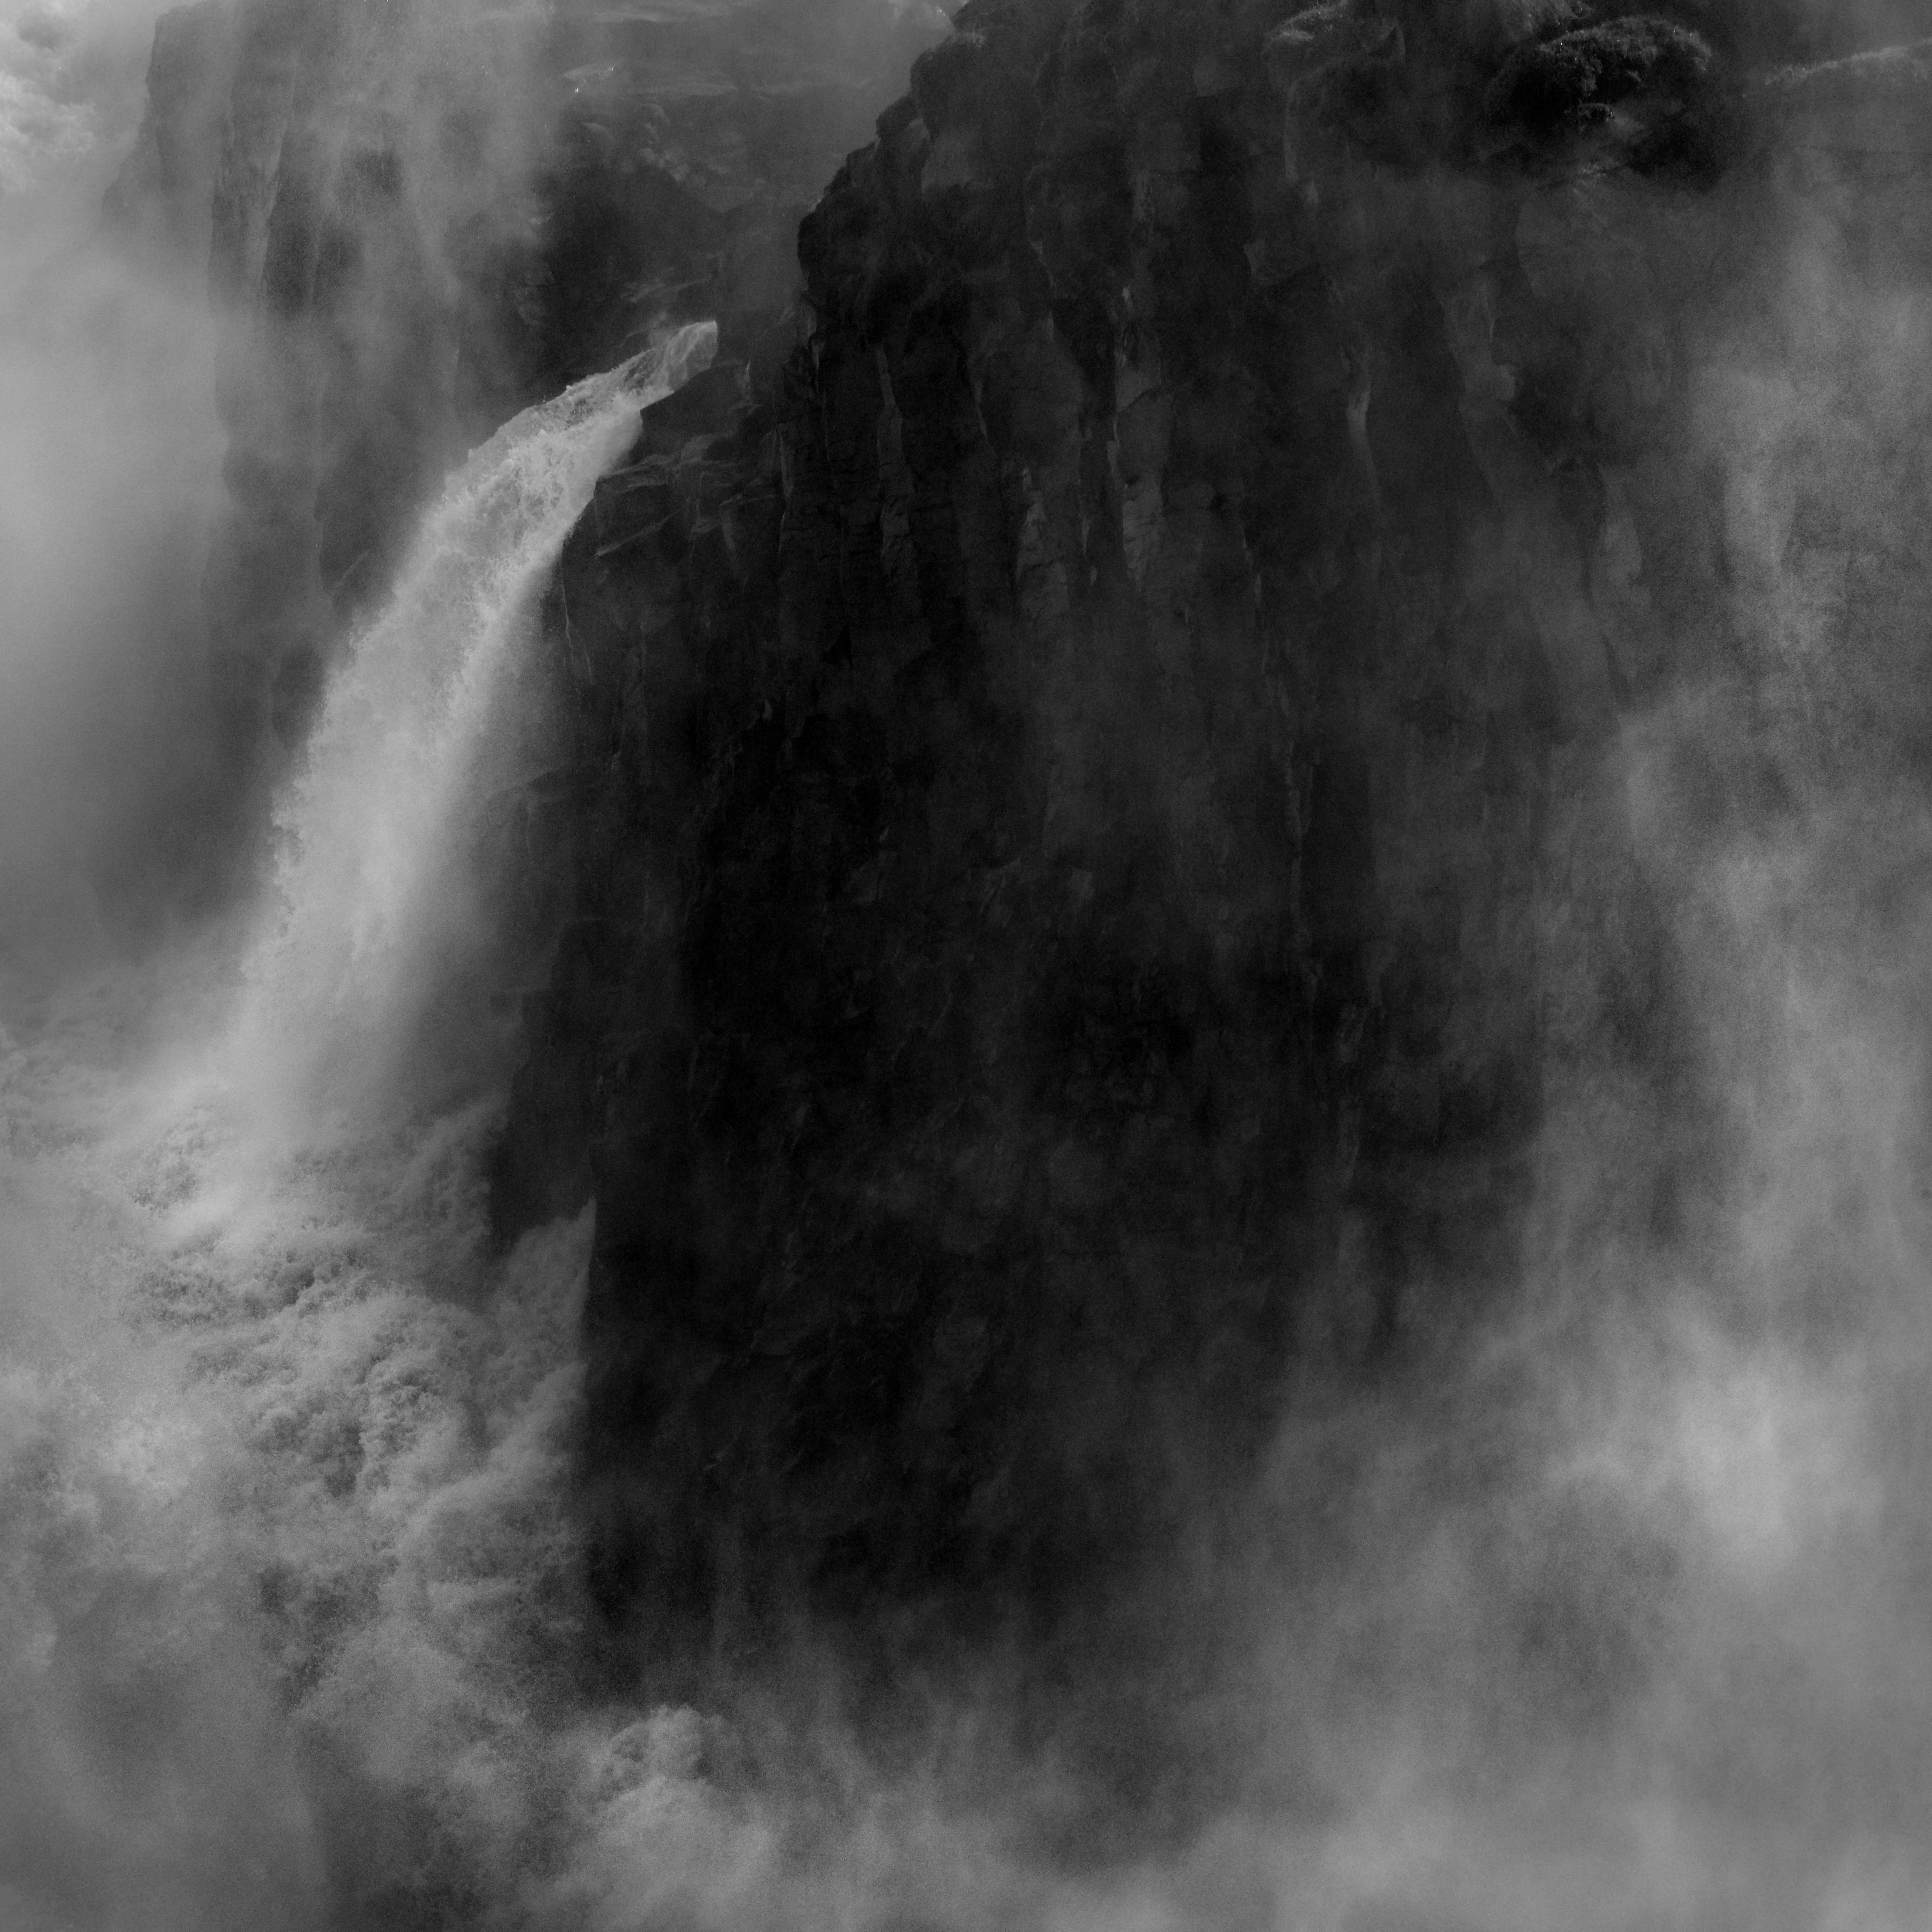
(286,1578)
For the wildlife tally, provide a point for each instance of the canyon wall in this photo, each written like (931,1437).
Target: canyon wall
(1104,873)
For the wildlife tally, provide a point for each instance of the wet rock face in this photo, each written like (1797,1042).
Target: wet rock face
(1088,866)
(1070,733)
(1649,88)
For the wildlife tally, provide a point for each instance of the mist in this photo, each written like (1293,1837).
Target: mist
(111,471)
(1597,1597)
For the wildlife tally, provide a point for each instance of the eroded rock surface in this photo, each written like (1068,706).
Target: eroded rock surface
(1094,873)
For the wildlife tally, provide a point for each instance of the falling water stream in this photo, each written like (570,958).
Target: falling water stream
(285,1575)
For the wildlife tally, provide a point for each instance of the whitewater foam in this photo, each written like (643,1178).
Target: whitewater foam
(285,1553)
(375,895)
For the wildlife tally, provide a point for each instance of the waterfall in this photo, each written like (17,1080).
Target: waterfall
(288,1569)
(374,887)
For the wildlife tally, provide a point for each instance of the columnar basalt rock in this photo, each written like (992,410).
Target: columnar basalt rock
(1092,858)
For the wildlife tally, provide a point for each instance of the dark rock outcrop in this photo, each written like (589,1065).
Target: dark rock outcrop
(1091,863)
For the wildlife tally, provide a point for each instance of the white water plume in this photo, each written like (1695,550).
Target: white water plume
(287,1577)
(373,882)
(290,1595)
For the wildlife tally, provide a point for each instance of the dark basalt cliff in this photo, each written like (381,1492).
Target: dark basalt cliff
(1094,867)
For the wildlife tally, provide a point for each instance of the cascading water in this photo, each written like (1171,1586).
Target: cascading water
(287,1572)
(372,885)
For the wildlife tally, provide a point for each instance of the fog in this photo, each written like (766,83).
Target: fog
(1608,1611)
(108,476)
